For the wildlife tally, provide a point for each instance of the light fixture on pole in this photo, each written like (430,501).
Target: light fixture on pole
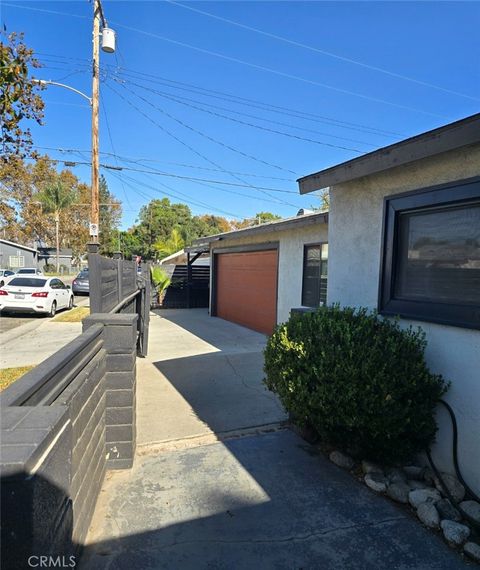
(108,45)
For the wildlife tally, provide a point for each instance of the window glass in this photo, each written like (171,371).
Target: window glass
(438,255)
(26,282)
(314,291)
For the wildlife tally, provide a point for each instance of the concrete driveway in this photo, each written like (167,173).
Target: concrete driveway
(220,482)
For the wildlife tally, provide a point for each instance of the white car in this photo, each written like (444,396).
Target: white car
(35,295)
(29,271)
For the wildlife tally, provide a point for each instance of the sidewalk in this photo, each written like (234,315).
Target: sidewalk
(220,482)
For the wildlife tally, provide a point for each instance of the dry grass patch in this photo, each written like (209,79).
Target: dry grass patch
(74,316)
(9,375)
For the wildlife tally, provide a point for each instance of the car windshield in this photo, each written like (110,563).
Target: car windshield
(83,274)
(26,271)
(27,282)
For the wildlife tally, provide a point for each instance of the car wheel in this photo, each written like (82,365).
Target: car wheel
(53,309)
(70,303)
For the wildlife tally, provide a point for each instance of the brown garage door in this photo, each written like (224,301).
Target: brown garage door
(246,288)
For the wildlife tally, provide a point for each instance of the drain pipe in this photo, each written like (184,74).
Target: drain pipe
(469,491)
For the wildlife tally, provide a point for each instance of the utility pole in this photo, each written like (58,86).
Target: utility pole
(108,45)
(94,214)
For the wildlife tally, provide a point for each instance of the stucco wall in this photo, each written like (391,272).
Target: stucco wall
(355,234)
(290,260)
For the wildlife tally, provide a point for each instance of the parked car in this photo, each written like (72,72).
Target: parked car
(81,284)
(4,275)
(29,271)
(33,294)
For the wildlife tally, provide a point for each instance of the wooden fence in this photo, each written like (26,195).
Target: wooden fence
(120,286)
(189,288)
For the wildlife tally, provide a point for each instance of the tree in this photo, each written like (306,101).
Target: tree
(259,218)
(19,98)
(172,244)
(55,198)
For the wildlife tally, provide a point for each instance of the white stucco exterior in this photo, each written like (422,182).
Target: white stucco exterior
(290,260)
(355,239)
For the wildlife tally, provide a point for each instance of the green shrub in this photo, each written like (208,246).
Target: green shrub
(359,380)
(49,268)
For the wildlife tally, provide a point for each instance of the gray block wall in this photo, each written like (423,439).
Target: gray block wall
(57,441)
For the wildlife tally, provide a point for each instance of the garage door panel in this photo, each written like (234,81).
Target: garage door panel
(247,288)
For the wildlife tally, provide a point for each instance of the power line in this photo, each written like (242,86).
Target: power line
(239,121)
(181,100)
(263,190)
(249,102)
(181,177)
(113,148)
(202,134)
(240,61)
(174,194)
(141,160)
(276,71)
(255,103)
(323,52)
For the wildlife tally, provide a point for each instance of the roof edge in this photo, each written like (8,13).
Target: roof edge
(458,134)
(276,226)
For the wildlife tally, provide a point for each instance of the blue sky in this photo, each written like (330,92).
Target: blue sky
(341,103)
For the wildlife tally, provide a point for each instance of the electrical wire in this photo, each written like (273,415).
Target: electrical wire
(255,103)
(181,100)
(276,71)
(262,189)
(323,52)
(141,160)
(245,123)
(245,101)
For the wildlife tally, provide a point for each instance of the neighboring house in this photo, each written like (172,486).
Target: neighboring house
(48,256)
(404,239)
(259,274)
(15,255)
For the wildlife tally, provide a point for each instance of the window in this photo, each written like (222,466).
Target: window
(315,268)
(431,255)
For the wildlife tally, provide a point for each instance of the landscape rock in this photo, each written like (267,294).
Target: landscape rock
(447,511)
(419,496)
(369,467)
(342,460)
(414,472)
(472,508)
(472,549)
(454,532)
(456,489)
(376,481)
(414,484)
(429,476)
(398,492)
(428,514)
(396,475)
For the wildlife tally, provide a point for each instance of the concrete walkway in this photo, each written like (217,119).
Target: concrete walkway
(219,482)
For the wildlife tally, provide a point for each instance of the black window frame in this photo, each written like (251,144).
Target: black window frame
(306,246)
(453,194)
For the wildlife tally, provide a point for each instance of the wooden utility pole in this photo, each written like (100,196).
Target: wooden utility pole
(94,215)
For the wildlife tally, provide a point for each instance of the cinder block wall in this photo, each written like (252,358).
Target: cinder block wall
(54,455)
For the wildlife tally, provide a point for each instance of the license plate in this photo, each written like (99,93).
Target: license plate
(19,296)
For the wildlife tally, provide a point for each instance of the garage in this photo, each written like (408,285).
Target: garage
(246,288)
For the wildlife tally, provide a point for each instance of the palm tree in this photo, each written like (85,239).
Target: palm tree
(171,245)
(54,198)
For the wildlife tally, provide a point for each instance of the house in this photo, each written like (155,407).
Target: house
(404,239)
(48,256)
(259,274)
(15,255)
